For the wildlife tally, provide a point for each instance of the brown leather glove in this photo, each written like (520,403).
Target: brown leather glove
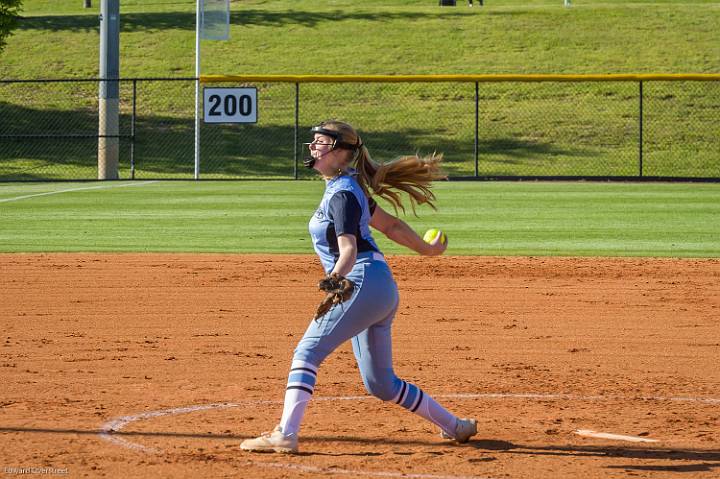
(338,288)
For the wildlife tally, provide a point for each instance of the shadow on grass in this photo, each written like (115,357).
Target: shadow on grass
(164,147)
(518,151)
(150,21)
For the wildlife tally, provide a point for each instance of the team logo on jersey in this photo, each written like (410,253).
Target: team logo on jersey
(319,214)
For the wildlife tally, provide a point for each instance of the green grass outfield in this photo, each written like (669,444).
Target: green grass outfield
(498,218)
(59,38)
(525,129)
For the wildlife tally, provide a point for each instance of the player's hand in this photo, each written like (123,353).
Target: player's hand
(437,246)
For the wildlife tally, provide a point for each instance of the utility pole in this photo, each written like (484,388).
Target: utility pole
(109,105)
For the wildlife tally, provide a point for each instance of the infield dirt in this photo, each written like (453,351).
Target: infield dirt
(539,347)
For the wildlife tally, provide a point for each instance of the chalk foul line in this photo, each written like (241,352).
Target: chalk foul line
(117,424)
(70,190)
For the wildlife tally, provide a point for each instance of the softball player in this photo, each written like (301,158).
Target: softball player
(363,296)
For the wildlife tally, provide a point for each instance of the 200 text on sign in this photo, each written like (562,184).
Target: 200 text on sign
(230,105)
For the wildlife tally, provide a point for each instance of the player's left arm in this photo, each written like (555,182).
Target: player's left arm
(347,244)
(401,233)
(338,288)
(345,212)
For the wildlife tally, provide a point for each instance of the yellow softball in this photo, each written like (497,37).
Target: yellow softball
(433,233)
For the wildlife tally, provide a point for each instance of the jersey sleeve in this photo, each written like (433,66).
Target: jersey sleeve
(372,204)
(345,212)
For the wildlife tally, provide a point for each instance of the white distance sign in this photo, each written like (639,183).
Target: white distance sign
(230,105)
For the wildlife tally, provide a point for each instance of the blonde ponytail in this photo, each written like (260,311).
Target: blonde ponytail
(409,174)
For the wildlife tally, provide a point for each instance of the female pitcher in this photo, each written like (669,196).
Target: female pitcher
(365,297)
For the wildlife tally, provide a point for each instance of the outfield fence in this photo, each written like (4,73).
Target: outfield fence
(628,127)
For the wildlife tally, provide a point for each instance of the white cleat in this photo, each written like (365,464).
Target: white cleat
(274,441)
(464,430)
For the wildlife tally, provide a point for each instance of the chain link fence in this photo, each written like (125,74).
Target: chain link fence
(485,129)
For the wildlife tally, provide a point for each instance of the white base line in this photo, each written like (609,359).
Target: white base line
(117,424)
(70,190)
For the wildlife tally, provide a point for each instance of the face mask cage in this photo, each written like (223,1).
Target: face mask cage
(309,161)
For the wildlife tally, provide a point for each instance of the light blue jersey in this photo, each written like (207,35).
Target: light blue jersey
(344,209)
(365,318)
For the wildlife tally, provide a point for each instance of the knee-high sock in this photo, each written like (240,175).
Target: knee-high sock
(415,400)
(301,383)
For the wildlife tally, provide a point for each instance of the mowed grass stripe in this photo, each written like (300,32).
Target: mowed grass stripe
(539,218)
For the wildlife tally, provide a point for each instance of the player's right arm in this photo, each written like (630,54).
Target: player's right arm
(401,233)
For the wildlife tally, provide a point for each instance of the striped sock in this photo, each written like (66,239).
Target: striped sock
(301,383)
(415,400)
